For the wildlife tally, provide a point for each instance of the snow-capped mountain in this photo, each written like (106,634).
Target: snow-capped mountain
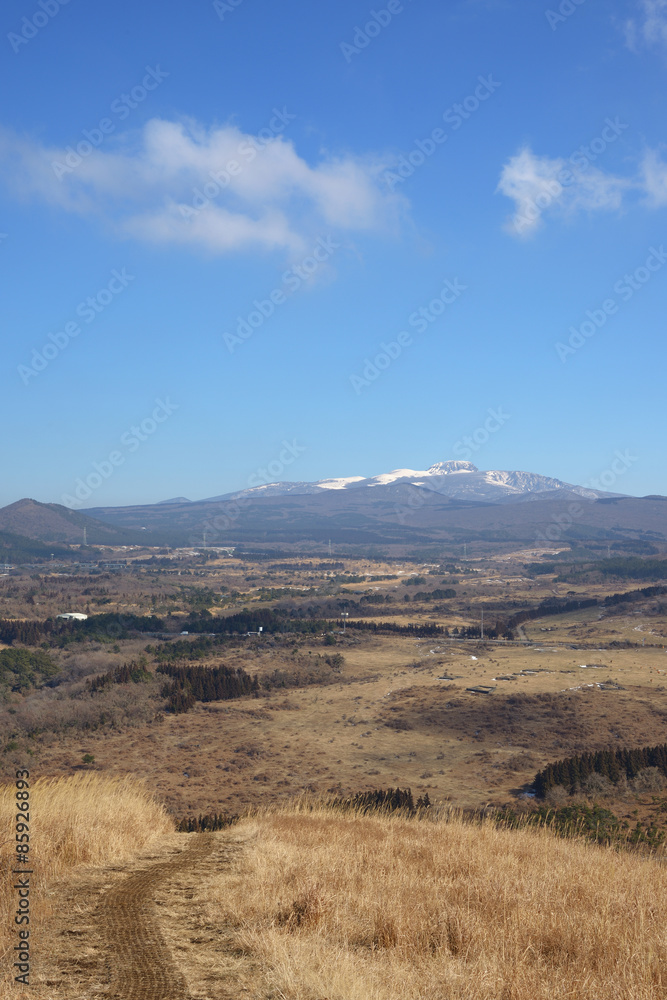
(458,480)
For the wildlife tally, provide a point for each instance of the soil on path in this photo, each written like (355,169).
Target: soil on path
(109,933)
(141,965)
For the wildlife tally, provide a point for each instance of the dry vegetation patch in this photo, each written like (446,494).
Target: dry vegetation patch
(373,908)
(83,820)
(554,723)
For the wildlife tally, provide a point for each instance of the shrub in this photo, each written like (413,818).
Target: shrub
(651,779)
(597,784)
(24,668)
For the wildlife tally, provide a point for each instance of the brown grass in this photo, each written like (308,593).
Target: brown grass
(87,819)
(375,908)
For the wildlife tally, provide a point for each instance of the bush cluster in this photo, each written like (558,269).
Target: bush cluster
(206,824)
(21,669)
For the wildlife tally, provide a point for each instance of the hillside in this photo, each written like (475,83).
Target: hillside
(310,903)
(402,515)
(53,523)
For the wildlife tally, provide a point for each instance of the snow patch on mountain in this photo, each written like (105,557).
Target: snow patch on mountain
(455,479)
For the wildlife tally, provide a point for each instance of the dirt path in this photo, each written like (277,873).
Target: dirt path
(140,963)
(141,931)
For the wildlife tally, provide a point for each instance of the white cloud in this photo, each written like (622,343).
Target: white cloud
(651,28)
(176,182)
(538,184)
(654,179)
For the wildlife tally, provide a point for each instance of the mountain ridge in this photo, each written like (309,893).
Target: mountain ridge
(456,478)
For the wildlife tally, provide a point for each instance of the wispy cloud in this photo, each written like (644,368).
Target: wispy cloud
(650,28)
(654,179)
(541,184)
(179,182)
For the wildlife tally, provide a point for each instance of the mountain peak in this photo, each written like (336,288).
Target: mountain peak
(456,479)
(442,468)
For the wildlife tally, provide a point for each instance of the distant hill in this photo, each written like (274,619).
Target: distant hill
(54,524)
(16,549)
(401,514)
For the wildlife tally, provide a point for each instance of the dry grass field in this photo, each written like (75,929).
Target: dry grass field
(370,908)
(76,823)
(305,903)
(386,720)
(321,906)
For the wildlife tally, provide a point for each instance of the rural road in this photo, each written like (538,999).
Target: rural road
(141,967)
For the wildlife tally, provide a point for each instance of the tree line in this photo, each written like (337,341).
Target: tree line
(251,620)
(624,567)
(61,631)
(206,824)
(635,595)
(29,633)
(200,648)
(552,606)
(382,800)
(612,764)
(192,684)
(421,631)
(130,673)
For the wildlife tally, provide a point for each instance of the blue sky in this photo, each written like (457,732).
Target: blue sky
(217,218)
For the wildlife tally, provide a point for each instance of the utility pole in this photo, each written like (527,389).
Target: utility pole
(482,623)
(344,615)
(465,551)
(85,536)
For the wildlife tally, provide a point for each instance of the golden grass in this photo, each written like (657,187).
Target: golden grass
(347,907)
(86,819)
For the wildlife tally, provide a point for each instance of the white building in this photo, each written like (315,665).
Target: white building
(73,616)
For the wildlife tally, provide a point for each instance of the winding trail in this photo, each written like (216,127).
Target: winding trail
(140,963)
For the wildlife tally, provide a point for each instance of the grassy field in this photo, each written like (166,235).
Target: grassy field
(303,902)
(399,712)
(387,719)
(76,823)
(352,907)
